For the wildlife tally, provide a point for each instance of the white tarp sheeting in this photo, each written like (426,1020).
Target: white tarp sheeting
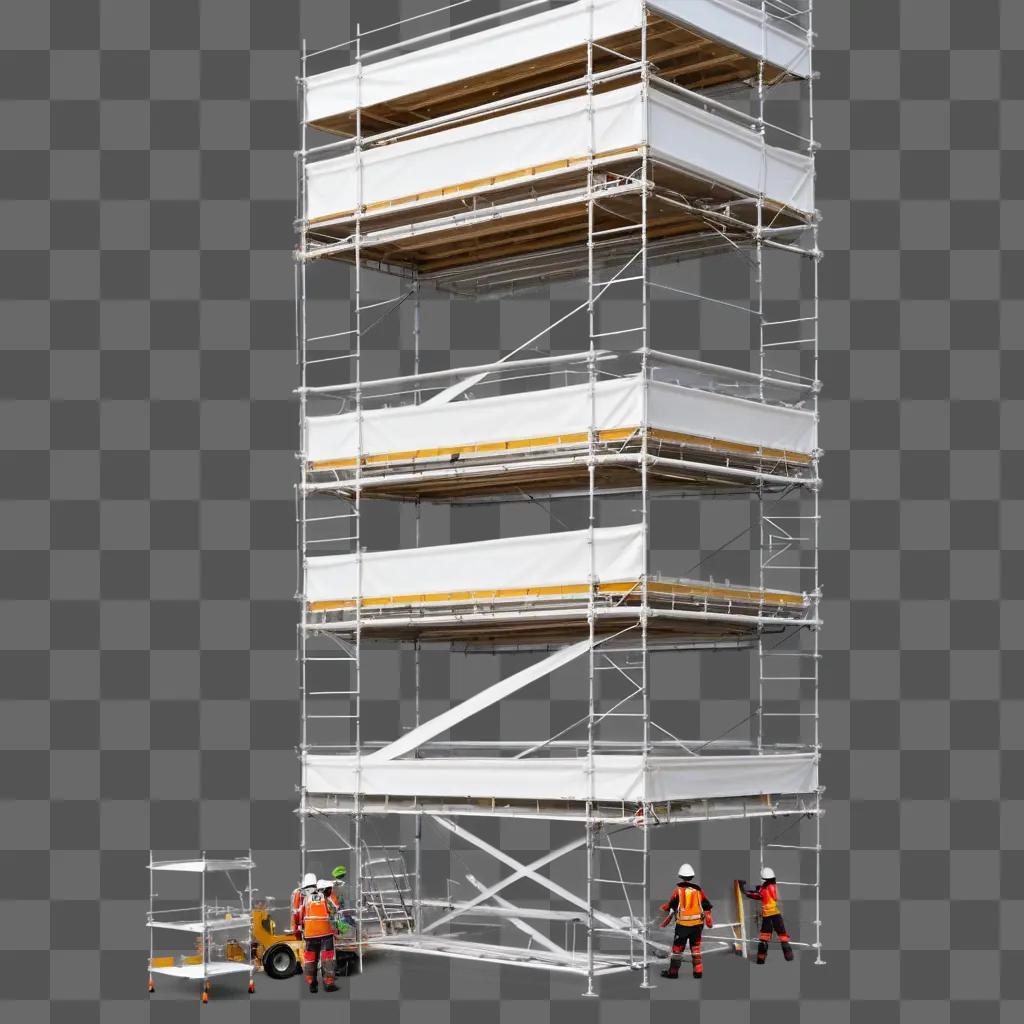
(617,777)
(337,92)
(679,133)
(545,560)
(559,413)
(713,147)
(471,152)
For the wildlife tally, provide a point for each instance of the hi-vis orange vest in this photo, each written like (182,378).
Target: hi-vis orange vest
(317,914)
(689,911)
(769,900)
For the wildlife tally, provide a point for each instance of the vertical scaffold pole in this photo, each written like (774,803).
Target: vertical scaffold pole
(357,802)
(815,635)
(591,823)
(759,306)
(152,930)
(248,916)
(645,682)
(204,928)
(417,902)
(301,335)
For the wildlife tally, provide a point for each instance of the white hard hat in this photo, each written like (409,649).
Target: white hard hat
(686,871)
(767,874)
(325,883)
(308,880)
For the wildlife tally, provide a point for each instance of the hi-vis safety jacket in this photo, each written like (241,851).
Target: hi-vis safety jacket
(691,906)
(316,915)
(298,896)
(768,894)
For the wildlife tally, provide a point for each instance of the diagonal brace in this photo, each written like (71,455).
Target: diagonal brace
(528,870)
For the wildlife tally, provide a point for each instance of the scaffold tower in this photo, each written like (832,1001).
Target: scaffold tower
(619,153)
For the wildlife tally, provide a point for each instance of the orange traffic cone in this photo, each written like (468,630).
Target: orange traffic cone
(151,986)
(205,998)
(252,986)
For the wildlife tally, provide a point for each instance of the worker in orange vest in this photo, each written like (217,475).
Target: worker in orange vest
(308,884)
(771,915)
(317,921)
(692,911)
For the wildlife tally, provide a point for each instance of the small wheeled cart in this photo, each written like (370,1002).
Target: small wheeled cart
(221,926)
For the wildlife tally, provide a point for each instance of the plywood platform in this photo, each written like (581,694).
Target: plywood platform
(543,210)
(674,464)
(679,615)
(700,45)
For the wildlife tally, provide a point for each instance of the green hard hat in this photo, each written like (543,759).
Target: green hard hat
(339,871)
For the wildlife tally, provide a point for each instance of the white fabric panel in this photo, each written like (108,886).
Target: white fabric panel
(338,91)
(335,92)
(555,559)
(679,133)
(484,699)
(484,149)
(476,421)
(709,145)
(739,24)
(561,412)
(616,777)
(725,418)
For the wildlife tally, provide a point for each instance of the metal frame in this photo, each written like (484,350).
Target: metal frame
(202,924)
(787,544)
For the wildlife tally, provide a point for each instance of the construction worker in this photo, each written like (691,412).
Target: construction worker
(692,911)
(317,921)
(345,917)
(308,884)
(771,915)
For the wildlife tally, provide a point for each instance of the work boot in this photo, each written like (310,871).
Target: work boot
(670,973)
(329,985)
(313,986)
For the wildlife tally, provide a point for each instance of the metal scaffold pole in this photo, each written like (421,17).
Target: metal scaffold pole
(816,636)
(591,824)
(302,491)
(357,827)
(645,682)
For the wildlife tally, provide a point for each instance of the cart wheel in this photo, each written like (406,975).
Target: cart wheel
(281,962)
(151,986)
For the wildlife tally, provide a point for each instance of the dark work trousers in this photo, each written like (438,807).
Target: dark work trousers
(322,946)
(687,933)
(774,923)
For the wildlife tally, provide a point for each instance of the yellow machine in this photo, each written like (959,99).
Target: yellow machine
(280,953)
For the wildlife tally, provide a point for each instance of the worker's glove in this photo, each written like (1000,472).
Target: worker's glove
(708,920)
(664,906)
(343,928)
